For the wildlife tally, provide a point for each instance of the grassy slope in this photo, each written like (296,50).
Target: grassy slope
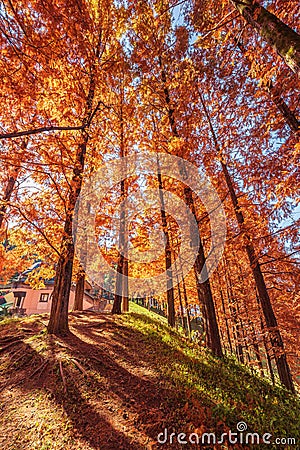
(135,377)
(230,390)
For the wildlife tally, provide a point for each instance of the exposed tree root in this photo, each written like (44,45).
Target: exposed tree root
(62,376)
(77,364)
(27,330)
(2,349)
(96,359)
(40,369)
(17,359)
(64,345)
(7,339)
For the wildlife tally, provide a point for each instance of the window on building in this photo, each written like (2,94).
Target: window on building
(19,298)
(44,297)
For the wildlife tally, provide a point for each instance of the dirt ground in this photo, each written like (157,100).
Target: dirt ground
(98,388)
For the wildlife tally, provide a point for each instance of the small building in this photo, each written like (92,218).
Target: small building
(37,301)
(27,300)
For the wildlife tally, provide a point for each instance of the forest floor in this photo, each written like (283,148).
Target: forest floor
(117,382)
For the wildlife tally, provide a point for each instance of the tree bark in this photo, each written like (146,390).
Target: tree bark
(58,323)
(266,306)
(274,94)
(254,341)
(121,288)
(224,313)
(168,254)
(79,290)
(8,193)
(117,306)
(203,289)
(213,340)
(186,303)
(125,303)
(267,309)
(287,114)
(284,40)
(178,289)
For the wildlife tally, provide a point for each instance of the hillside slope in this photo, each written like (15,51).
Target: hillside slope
(117,382)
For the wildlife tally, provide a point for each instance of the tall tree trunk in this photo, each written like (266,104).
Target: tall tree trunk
(180,305)
(254,341)
(234,315)
(224,313)
(287,114)
(121,288)
(274,94)
(79,290)
(213,340)
(268,347)
(239,322)
(117,306)
(284,40)
(186,303)
(168,252)
(203,289)
(125,303)
(266,305)
(178,286)
(58,323)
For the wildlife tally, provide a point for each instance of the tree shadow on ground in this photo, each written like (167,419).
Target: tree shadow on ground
(38,373)
(122,397)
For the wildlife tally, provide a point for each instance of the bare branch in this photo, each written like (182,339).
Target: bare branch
(39,130)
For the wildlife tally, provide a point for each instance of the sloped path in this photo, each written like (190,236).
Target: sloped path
(97,388)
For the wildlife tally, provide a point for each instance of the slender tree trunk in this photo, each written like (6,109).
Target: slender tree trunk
(274,94)
(186,304)
(239,321)
(234,315)
(287,114)
(58,323)
(117,306)
(179,296)
(266,306)
(8,193)
(204,290)
(181,306)
(256,347)
(168,253)
(213,340)
(267,346)
(251,326)
(267,309)
(222,340)
(284,40)
(125,304)
(225,313)
(79,290)
(9,188)
(242,328)
(178,287)
(121,288)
